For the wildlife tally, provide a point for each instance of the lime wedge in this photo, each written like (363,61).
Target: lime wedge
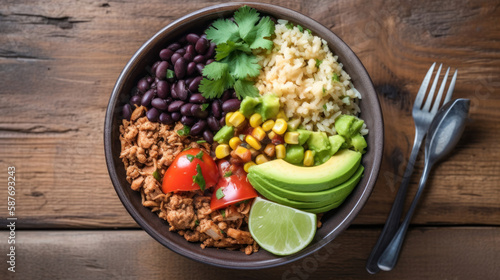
(280,229)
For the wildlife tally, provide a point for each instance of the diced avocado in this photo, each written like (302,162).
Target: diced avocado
(336,142)
(293,124)
(224,134)
(318,141)
(337,170)
(303,135)
(269,106)
(348,126)
(248,104)
(294,154)
(359,143)
(322,157)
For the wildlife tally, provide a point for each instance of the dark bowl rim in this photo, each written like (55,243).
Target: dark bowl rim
(373,174)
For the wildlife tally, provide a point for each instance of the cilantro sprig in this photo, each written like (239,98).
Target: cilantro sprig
(235,63)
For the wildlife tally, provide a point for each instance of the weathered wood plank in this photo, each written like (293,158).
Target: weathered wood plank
(429,253)
(59,62)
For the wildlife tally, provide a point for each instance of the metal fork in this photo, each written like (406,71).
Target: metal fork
(422,116)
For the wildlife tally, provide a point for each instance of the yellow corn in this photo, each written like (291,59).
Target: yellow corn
(280,151)
(271,135)
(292,138)
(269,150)
(240,151)
(258,133)
(247,165)
(282,115)
(234,142)
(237,118)
(308,158)
(254,143)
(228,116)
(255,120)
(260,159)
(222,151)
(268,125)
(280,126)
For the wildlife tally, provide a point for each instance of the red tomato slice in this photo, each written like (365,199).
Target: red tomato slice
(235,188)
(179,175)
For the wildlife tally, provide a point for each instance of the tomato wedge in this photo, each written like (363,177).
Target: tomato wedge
(184,173)
(232,187)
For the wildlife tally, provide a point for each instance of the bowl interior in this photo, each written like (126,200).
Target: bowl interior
(334,222)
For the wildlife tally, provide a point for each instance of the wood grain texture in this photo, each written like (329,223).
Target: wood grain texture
(429,253)
(59,61)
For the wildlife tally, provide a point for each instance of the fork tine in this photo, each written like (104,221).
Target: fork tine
(435,106)
(451,88)
(423,88)
(430,96)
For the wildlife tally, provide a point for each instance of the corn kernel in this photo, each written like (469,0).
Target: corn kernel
(237,118)
(247,165)
(222,151)
(234,142)
(254,143)
(282,115)
(228,116)
(280,126)
(268,125)
(243,153)
(280,151)
(292,138)
(271,135)
(308,158)
(255,120)
(269,150)
(260,159)
(258,133)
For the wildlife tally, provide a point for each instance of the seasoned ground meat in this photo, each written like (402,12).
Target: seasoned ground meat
(148,147)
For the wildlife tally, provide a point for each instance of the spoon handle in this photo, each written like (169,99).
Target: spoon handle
(390,256)
(392,222)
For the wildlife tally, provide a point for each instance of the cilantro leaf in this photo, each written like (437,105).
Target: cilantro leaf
(223,30)
(201,141)
(215,70)
(245,88)
(227,174)
(156,175)
(318,62)
(203,108)
(223,213)
(215,88)
(289,25)
(264,29)
(199,155)
(190,158)
(246,18)
(242,65)
(224,49)
(219,193)
(184,131)
(335,77)
(198,178)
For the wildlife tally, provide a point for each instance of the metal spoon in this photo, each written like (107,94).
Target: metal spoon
(444,133)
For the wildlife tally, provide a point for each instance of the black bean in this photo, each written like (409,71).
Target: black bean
(169,100)
(152,114)
(162,89)
(191,68)
(166,118)
(181,51)
(175,106)
(213,123)
(176,116)
(210,51)
(188,57)
(147,97)
(190,50)
(208,136)
(135,100)
(173,92)
(135,91)
(231,105)
(203,36)
(189,121)
(192,38)
(159,104)
(143,85)
(188,81)
(222,122)
(199,59)
(198,112)
(150,79)
(186,109)
(180,68)
(216,109)
(209,61)
(226,95)
(155,65)
(197,98)
(181,90)
(175,57)
(166,54)
(174,46)
(201,45)
(127,111)
(198,127)
(200,67)
(161,70)
(193,86)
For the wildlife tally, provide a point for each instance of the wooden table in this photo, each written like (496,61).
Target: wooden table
(58,64)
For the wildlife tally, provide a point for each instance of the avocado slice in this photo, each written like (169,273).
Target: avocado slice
(348,126)
(315,199)
(303,135)
(294,154)
(224,134)
(336,142)
(338,169)
(269,106)
(248,104)
(318,141)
